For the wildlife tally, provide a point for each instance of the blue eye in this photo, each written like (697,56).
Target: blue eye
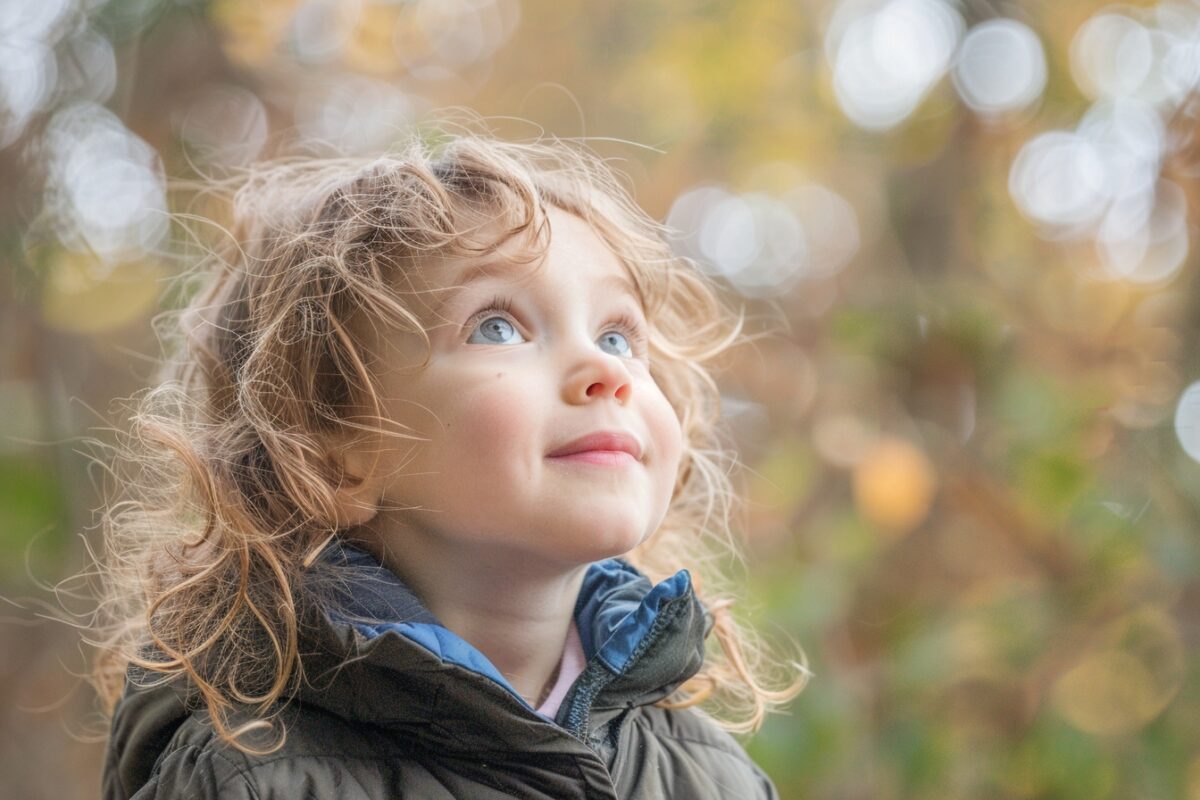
(495,330)
(626,338)
(624,348)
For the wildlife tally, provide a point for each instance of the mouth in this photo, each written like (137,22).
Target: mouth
(602,448)
(602,458)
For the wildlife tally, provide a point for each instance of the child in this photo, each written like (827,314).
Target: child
(422,406)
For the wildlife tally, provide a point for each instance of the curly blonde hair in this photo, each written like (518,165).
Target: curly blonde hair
(228,490)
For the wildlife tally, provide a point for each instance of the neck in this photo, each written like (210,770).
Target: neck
(514,608)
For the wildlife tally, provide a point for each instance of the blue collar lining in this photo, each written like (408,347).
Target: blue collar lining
(616,610)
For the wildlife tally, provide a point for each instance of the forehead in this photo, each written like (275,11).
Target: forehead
(571,252)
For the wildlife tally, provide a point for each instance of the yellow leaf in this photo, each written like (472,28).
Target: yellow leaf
(894,485)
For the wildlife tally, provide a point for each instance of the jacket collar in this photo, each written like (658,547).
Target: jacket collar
(378,655)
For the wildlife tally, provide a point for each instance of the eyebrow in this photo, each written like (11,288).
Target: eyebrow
(500,268)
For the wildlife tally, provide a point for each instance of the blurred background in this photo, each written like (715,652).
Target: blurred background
(972,455)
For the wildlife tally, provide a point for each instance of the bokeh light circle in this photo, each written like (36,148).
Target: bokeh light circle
(438,38)
(886,58)
(1111,55)
(831,228)
(1128,136)
(1187,421)
(320,29)
(1144,237)
(1000,67)
(28,75)
(106,190)
(761,243)
(894,485)
(224,125)
(41,20)
(1058,180)
(1127,680)
(353,115)
(87,68)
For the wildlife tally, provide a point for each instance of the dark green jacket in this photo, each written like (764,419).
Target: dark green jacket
(397,705)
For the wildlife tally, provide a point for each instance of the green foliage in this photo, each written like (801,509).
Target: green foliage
(32,520)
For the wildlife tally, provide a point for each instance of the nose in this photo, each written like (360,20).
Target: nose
(597,375)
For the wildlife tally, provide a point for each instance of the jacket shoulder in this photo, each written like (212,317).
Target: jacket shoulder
(192,765)
(687,751)
(321,756)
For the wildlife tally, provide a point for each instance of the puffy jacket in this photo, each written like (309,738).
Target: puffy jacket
(397,706)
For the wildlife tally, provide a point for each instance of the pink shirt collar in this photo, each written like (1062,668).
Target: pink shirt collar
(570,668)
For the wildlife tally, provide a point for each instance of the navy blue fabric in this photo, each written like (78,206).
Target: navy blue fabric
(616,609)
(445,644)
(634,627)
(369,591)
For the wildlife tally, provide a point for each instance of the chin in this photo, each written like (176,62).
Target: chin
(611,546)
(588,545)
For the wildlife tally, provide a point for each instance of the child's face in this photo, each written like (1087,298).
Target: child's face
(504,389)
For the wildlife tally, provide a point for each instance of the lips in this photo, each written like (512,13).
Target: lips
(611,441)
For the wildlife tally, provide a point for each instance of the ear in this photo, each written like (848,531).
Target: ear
(358,496)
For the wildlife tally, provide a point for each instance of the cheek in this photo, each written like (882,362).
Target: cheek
(668,439)
(490,424)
